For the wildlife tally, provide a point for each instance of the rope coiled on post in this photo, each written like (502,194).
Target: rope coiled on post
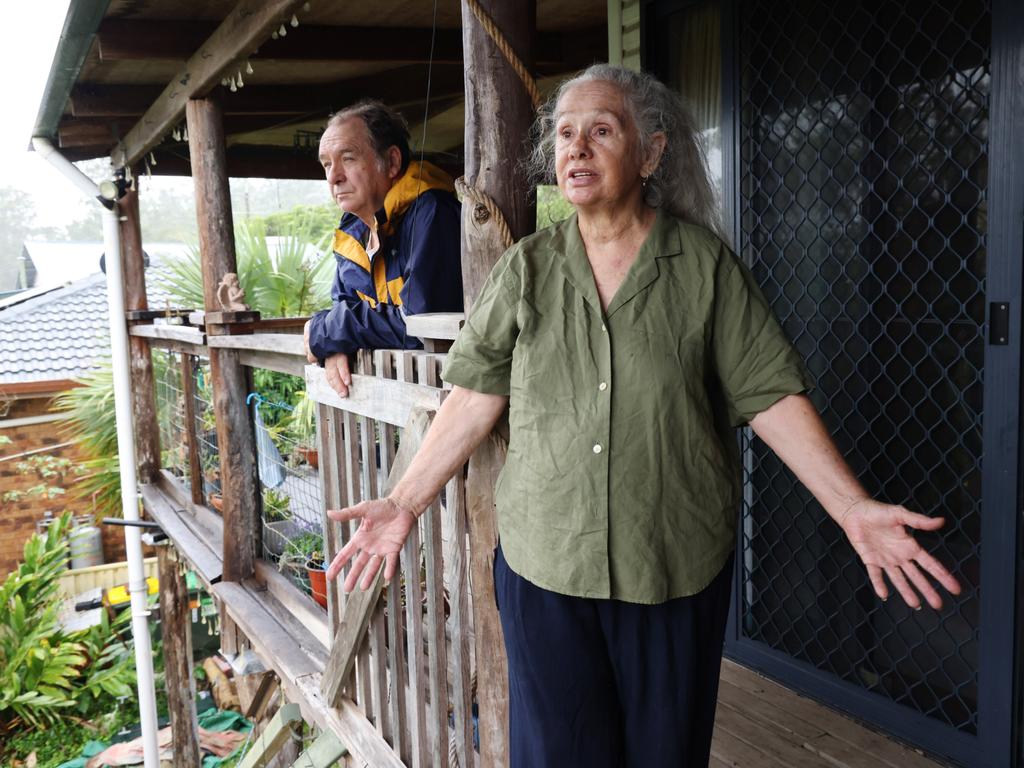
(481,198)
(510,55)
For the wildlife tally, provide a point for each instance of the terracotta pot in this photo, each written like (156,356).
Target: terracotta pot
(309,455)
(318,583)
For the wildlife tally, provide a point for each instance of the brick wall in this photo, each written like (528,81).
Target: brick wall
(18,519)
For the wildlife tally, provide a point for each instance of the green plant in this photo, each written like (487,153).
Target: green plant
(287,283)
(46,673)
(276,506)
(307,548)
(301,424)
(37,665)
(49,469)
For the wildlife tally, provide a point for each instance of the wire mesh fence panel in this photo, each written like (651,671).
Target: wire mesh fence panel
(863,214)
(206,431)
(171,408)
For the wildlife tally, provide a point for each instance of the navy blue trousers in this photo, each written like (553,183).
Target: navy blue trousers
(608,684)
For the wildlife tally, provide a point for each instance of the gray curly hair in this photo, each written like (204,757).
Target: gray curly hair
(680,183)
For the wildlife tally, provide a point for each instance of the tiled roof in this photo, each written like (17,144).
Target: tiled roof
(57,334)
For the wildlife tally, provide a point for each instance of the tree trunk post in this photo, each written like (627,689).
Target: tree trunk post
(176,620)
(147,429)
(236,439)
(498,117)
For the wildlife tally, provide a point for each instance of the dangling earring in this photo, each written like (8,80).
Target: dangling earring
(643,181)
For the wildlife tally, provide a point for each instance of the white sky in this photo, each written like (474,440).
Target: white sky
(25,59)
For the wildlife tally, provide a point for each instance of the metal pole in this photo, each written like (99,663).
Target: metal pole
(137,588)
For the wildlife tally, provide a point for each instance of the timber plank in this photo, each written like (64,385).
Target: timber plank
(322,753)
(455,566)
(435,325)
(274,736)
(274,645)
(875,749)
(772,742)
(768,713)
(382,399)
(349,723)
(199,552)
(186,334)
(243,30)
(438,656)
(350,638)
(735,752)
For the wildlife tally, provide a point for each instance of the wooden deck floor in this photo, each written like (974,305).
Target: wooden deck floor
(761,724)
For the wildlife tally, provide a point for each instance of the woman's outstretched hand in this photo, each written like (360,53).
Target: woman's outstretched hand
(384,527)
(878,533)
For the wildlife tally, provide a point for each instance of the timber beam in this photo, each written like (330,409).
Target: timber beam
(400,86)
(135,40)
(245,28)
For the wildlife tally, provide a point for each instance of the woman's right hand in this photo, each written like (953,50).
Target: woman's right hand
(384,527)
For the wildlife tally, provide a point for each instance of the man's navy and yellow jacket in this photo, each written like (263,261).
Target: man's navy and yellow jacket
(417,268)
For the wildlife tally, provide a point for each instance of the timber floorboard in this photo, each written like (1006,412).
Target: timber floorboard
(761,724)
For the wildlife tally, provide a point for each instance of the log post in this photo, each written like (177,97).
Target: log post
(498,117)
(176,620)
(236,438)
(147,429)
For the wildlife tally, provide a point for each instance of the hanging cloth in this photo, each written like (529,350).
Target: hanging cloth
(267,456)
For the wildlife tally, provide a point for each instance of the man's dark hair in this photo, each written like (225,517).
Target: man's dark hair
(386,127)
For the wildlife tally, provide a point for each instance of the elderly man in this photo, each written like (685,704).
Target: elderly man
(397,246)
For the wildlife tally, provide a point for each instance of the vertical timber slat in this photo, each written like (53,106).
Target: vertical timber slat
(236,437)
(143,387)
(188,393)
(455,565)
(396,659)
(181,686)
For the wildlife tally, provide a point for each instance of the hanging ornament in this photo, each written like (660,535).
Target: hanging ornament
(152,158)
(273,35)
(233,86)
(305,7)
(248,67)
(283,31)
(295,21)
(239,79)
(223,81)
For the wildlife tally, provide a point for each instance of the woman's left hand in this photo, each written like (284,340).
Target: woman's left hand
(878,533)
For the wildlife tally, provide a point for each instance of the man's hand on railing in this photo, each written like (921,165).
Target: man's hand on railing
(338,376)
(305,340)
(384,527)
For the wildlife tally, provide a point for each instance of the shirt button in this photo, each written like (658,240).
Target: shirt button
(602,386)
(597,448)
(604,328)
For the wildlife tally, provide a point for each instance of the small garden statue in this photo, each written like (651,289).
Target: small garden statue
(230,295)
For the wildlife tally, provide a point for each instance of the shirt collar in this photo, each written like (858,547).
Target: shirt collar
(662,241)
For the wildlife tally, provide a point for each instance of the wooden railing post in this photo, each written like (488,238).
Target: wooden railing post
(147,431)
(236,438)
(176,620)
(498,117)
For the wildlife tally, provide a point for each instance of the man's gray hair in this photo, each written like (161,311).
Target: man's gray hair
(680,183)
(386,127)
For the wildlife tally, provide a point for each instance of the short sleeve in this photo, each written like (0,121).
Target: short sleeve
(481,358)
(755,362)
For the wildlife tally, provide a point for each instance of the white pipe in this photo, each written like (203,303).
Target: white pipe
(125,451)
(52,155)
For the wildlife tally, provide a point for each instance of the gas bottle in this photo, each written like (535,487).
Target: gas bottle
(86,542)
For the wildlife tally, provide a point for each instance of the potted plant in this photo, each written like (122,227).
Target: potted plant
(302,426)
(278,526)
(304,556)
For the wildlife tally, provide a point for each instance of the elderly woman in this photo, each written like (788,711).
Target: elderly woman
(627,342)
